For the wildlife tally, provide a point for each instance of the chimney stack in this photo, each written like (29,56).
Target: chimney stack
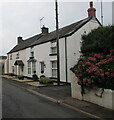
(91,10)
(19,40)
(45,30)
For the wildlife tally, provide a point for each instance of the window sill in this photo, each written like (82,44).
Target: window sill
(54,54)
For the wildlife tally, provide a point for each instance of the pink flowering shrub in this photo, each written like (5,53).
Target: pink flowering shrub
(96,70)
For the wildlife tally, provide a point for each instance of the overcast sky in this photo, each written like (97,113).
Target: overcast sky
(23,18)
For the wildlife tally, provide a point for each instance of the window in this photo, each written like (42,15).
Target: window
(54,68)
(32,54)
(53,50)
(11,57)
(17,57)
(31,67)
(12,69)
(53,47)
(42,67)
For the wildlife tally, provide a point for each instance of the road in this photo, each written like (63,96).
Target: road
(18,103)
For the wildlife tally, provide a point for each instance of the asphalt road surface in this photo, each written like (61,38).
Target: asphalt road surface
(18,103)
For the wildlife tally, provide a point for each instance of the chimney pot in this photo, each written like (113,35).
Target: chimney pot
(91,10)
(45,30)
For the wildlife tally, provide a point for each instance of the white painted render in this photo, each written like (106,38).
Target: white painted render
(42,53)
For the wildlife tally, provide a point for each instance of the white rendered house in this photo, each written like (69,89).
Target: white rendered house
(39,53)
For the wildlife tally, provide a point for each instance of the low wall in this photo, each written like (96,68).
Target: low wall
(104,101)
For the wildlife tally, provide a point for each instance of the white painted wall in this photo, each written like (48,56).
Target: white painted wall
(22,56)
(42,51)
(105,101)
(74,43)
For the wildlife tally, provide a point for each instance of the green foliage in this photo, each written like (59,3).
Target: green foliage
(42,76)
(11,74)
(21,77)
(100,40)
(44,80)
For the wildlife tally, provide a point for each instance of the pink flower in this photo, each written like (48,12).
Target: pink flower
(92,76)
(89,81)
(101,70)
(107,73)
(108,56)
(81,61)
(97,56)
(88,63)
(92,59)
(112,50)
(102,74)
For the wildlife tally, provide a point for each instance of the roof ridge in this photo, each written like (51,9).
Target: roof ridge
(40,38)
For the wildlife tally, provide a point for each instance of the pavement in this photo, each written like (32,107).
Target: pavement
(62,95)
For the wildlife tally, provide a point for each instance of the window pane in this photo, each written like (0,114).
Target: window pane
(32,54)
(54,64)
(29,67)
(29,70)
(33,67)
(29,64)
(54,73)
(54,50)
(42,67)
(53,44)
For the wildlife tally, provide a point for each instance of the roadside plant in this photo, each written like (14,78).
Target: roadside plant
(46,81)
(34,76)
(20,77)
(95,71)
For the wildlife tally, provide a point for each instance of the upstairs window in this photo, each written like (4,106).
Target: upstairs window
(17,56)
(11,57)
(32,54)
(53,47)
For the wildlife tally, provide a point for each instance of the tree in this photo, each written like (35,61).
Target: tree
(100,40)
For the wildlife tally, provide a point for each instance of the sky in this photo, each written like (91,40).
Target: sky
(22,17)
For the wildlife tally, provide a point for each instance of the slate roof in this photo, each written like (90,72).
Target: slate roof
(40,39)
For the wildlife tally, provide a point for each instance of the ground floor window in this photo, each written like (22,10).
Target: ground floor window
(54,68)
(14,69)
(31,67)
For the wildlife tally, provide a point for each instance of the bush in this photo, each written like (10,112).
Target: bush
(20,77)
(11,74)
(100,40)
(42,76)
(44,80)
(35,77)
(96,70)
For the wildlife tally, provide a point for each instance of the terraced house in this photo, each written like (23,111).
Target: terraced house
(39,53)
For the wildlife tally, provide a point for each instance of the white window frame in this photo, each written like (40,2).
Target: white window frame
(53,47)
(53,68)
(17,55)
(31,67)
